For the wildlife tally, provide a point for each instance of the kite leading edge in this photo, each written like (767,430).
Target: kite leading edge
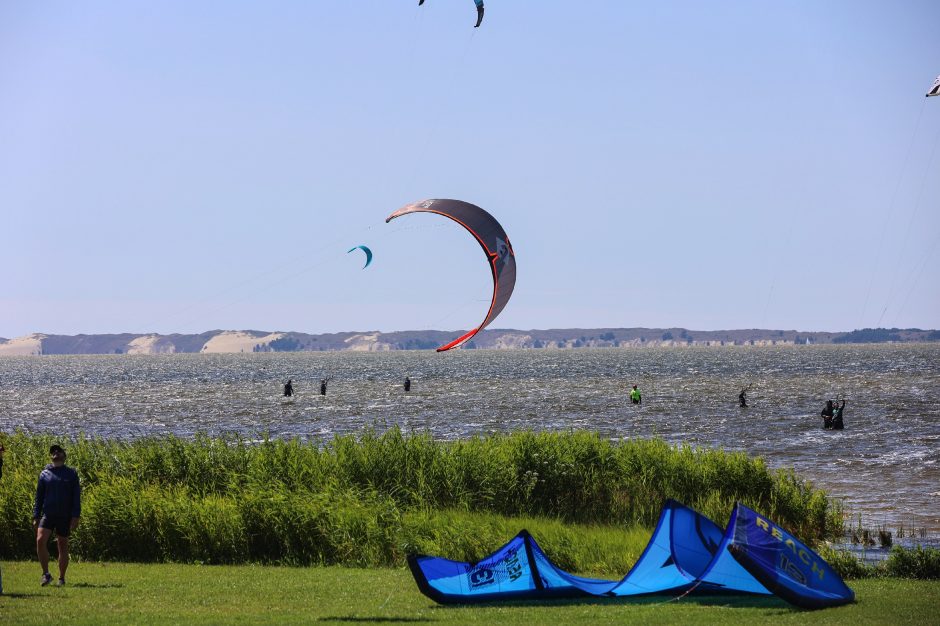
(935,90)
(492,239)
(366,250)
(479,4)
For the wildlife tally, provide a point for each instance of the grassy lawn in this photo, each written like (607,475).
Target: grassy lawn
(114,593)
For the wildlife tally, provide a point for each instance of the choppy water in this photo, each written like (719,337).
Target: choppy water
(886,464)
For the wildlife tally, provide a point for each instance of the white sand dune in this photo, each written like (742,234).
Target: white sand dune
(23,346)
(231,341)
(510,341)
(151,344)
(367,343)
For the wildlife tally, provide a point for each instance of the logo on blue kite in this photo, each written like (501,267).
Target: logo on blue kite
(791,570)
(481,578)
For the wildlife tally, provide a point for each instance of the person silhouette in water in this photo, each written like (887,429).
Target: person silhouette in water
(289,388)
(322,386)
(837,419)
(827,413)
(407,384)
(742,398)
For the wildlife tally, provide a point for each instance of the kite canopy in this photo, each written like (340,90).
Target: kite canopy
(783,564)
(935,90)
(495,245)
(479,4)
(687,553)
(366,250)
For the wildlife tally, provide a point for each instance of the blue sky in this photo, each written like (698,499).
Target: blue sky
(180,166)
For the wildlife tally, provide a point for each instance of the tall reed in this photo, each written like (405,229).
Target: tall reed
(369,499)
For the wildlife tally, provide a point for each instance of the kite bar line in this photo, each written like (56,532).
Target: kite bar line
(773,281)
(910,224)
(324,254)
(457,68)
(463,305)
(678,598)
(922,265)
(890,214)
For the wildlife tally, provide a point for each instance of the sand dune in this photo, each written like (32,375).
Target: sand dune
(236,341)
(22,346)
(367,343)
(151,344)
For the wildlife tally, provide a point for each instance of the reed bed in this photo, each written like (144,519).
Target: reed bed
(370,499)
(916,563)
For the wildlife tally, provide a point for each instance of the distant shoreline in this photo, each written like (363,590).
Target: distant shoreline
(247,341)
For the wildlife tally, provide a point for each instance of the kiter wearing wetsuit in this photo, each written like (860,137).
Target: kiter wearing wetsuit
(323,387)
(289,388)
(837,419)
(742,399)
(827,413)
(407,384)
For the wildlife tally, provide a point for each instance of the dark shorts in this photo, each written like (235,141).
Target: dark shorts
(61,525)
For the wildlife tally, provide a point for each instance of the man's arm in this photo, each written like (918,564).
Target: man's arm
(76,501)
(40,497)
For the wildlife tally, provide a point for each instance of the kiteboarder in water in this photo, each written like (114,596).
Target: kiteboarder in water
(323,386)
(407,384)
(837,419)
(827,413)
(635,396)
(289,388)
(742,399)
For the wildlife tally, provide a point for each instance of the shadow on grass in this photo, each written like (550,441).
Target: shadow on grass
(373,619)
(754,602)
(94,586)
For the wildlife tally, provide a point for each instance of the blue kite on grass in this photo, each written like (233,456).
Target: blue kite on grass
(687,553)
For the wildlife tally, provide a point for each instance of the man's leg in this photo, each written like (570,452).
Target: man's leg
(42,548)
(63,544)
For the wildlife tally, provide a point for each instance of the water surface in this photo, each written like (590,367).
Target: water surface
(885,464)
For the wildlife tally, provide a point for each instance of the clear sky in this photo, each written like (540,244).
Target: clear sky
(186,165)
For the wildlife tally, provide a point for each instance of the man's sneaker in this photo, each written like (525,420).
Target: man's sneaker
(60,583)
(46,579)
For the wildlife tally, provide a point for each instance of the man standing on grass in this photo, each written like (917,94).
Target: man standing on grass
(58,507)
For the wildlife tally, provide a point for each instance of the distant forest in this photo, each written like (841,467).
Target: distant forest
(882,335)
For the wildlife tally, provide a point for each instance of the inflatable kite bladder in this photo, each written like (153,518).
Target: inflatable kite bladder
(687,553)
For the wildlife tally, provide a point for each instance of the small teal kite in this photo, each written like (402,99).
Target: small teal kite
(368,254)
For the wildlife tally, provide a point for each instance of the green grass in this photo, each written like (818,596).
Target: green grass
(117,593)
(368,500)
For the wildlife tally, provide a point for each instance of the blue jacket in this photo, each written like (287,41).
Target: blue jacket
(58,493)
